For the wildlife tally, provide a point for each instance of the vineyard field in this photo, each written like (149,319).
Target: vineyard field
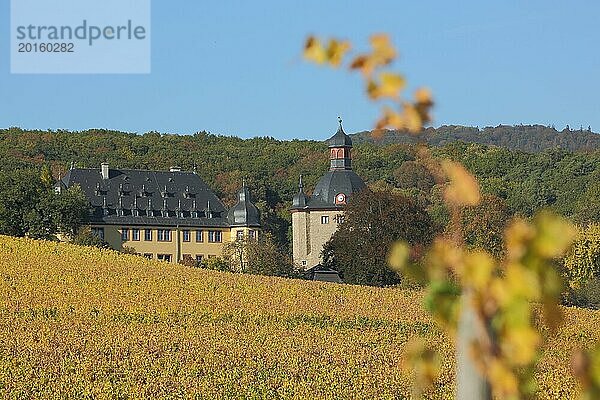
(85,323)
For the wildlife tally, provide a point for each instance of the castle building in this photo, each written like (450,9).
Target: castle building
(166,215)
(316,218)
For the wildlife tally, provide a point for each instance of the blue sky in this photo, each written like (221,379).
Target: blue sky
(235,68)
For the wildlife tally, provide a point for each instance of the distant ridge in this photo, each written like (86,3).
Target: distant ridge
(527,138)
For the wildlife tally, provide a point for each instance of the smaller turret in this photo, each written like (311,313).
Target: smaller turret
(244,213)
(300,199)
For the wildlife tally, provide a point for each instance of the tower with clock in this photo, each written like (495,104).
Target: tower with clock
(315,218)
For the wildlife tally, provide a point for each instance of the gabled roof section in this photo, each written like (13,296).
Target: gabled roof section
(145,197)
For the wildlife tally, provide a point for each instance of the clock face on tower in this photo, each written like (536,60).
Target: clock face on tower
(340,198)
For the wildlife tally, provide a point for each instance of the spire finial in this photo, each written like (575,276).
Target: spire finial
(300,184)
(244,182)
(72,165)
(340,120)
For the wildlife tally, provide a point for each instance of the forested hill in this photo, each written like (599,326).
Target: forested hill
(520,182)
(529,138)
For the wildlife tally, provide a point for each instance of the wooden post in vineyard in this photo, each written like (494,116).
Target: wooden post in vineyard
(470,384)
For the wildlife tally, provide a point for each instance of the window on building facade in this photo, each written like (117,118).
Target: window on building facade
(199,257)
(164,257)
(215,236)
(163,235)
(186,235)
(124,234)
(148,235)
(304,263)
(135,234)
(199,236)
(98,232)
(252,234)
(149,256)
(239,235)
(325,219)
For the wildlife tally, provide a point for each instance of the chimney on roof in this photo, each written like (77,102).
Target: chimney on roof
(104,169)
(175,169)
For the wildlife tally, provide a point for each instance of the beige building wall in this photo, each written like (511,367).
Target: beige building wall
(177,248)
(310,231)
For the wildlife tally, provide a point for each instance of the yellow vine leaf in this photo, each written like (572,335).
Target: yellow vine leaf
(412,118)
(390,118)
(423,104)
(383,53)
(554,235)
(391,84)
(399,256)
(586,367)
(314,51)
(477,270)
(516,237)
(520,344)
(502,379)
(383,50)
(336,50)
(462,189)
(423,95)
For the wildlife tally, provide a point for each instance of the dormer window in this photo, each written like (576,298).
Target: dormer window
(120,211)
(144,192)
(165,209)
(123,190)
(149,210)
(100,191)
(166,192)
(188,193)
(135,211)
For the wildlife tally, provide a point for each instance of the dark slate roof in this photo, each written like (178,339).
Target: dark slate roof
(340,139)
(300,199)
(333,183)
(172,198)
(244,213)
(323,274)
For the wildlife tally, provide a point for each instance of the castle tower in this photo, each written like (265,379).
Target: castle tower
(316,218)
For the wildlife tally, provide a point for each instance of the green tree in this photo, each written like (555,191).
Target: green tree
(484,225)
(265,258)
(85,237)
(71,208)
(412,174)
(373,222)
(24,207)
(259,256)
